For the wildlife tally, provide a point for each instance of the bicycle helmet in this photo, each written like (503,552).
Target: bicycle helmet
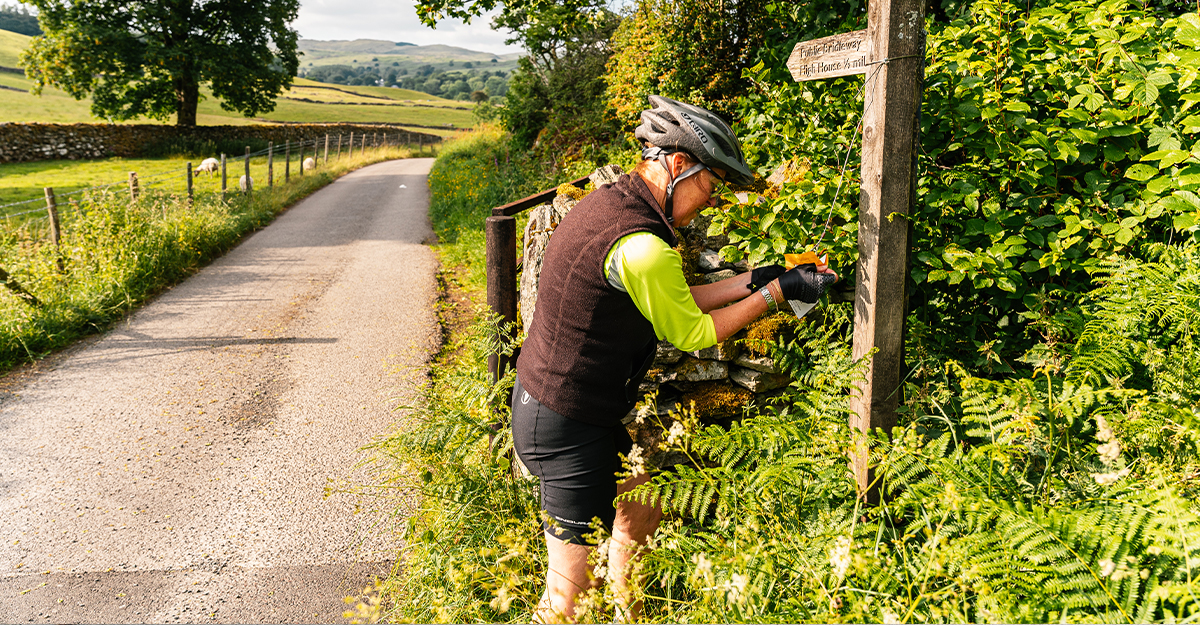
(674,126)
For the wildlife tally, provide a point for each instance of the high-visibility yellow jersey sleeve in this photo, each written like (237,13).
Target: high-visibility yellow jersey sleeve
(645,267)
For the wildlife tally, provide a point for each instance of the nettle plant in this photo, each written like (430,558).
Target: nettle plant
(1052,140)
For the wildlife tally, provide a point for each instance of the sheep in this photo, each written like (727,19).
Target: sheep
(309,163)
(209,166)
(245,184)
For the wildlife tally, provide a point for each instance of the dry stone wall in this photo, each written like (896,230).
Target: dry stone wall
(38,142)
(720,380)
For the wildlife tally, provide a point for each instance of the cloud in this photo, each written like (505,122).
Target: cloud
(393,20)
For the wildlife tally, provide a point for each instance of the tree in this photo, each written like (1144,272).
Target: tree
(17,19)
(150,58)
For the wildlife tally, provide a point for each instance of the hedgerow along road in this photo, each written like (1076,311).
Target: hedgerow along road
(201,462)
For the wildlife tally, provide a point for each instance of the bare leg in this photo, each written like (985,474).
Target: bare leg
(634,525)
(566,576)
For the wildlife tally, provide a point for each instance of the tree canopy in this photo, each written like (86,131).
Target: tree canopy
(151,58)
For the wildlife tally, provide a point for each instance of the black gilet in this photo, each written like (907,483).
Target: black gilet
(589,346)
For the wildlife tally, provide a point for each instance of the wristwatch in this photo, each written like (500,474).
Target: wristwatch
(771,305)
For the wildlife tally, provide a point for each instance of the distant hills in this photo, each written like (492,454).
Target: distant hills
(370,51)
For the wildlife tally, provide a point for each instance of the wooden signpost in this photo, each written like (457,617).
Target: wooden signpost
(891,54)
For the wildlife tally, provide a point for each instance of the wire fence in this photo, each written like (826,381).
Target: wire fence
(177,180)
(31,220)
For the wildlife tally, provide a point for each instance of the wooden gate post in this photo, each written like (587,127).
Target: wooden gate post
(190,194)
(270,164)
(325,158)
(501,241)
(351,153)
(891,113)
(249,184)
(224,178)
(339,148)
(133,186)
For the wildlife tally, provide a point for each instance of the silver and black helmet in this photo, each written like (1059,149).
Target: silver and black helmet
(674,126)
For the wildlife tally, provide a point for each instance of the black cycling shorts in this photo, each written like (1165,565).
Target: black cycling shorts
(577,463)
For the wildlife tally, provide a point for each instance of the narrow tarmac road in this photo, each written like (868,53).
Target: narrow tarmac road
(200,462)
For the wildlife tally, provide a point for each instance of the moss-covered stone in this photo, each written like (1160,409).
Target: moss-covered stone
(571,191)
(765,331)
(717,400)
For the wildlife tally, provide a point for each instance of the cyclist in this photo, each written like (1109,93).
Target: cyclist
(611,288)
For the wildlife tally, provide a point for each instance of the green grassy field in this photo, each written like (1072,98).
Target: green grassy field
(26,181)
(410,107)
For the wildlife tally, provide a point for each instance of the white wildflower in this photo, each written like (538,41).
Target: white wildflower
(839,556)
(635,461)
(1110,451)
(600,570)
(1103,430)
(1107,567)
(703,564)
(643,411)
(1104,479)
(735,588)
(890,617)
(675,434)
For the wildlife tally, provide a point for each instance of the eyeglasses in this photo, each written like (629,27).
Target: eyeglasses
(716,183)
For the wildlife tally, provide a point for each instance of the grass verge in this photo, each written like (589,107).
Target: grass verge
(115,254)
(1014,500)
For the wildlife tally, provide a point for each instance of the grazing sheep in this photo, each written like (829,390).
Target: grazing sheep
(309,163)
(209,166)
(245,184)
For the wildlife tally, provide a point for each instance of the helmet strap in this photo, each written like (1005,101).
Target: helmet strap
(660,155)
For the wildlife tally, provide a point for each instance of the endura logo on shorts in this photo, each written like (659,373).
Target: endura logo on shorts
(525,397)
(696,127)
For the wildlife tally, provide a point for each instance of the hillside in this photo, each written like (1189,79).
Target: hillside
(11,45)
(307,101)
(387,54)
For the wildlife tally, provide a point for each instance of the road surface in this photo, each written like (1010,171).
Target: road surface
(202,461)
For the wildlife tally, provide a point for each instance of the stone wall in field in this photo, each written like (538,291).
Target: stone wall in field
(39,142)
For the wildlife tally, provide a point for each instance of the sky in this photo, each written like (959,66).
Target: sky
(393,20)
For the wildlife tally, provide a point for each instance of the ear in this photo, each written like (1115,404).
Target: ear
(679,163)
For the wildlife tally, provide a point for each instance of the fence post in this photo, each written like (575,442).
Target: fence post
(350,154)
(302,157)
(249,183)
(52,211)
(18,290)
(362,148)
(501,242)
(190,194)
(325,160)
(420,144)
(270,164)
(224,178)
(339,152)
(287,160)
(133,186)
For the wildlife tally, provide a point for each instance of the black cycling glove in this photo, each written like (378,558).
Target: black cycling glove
(803,282)
(763,276)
